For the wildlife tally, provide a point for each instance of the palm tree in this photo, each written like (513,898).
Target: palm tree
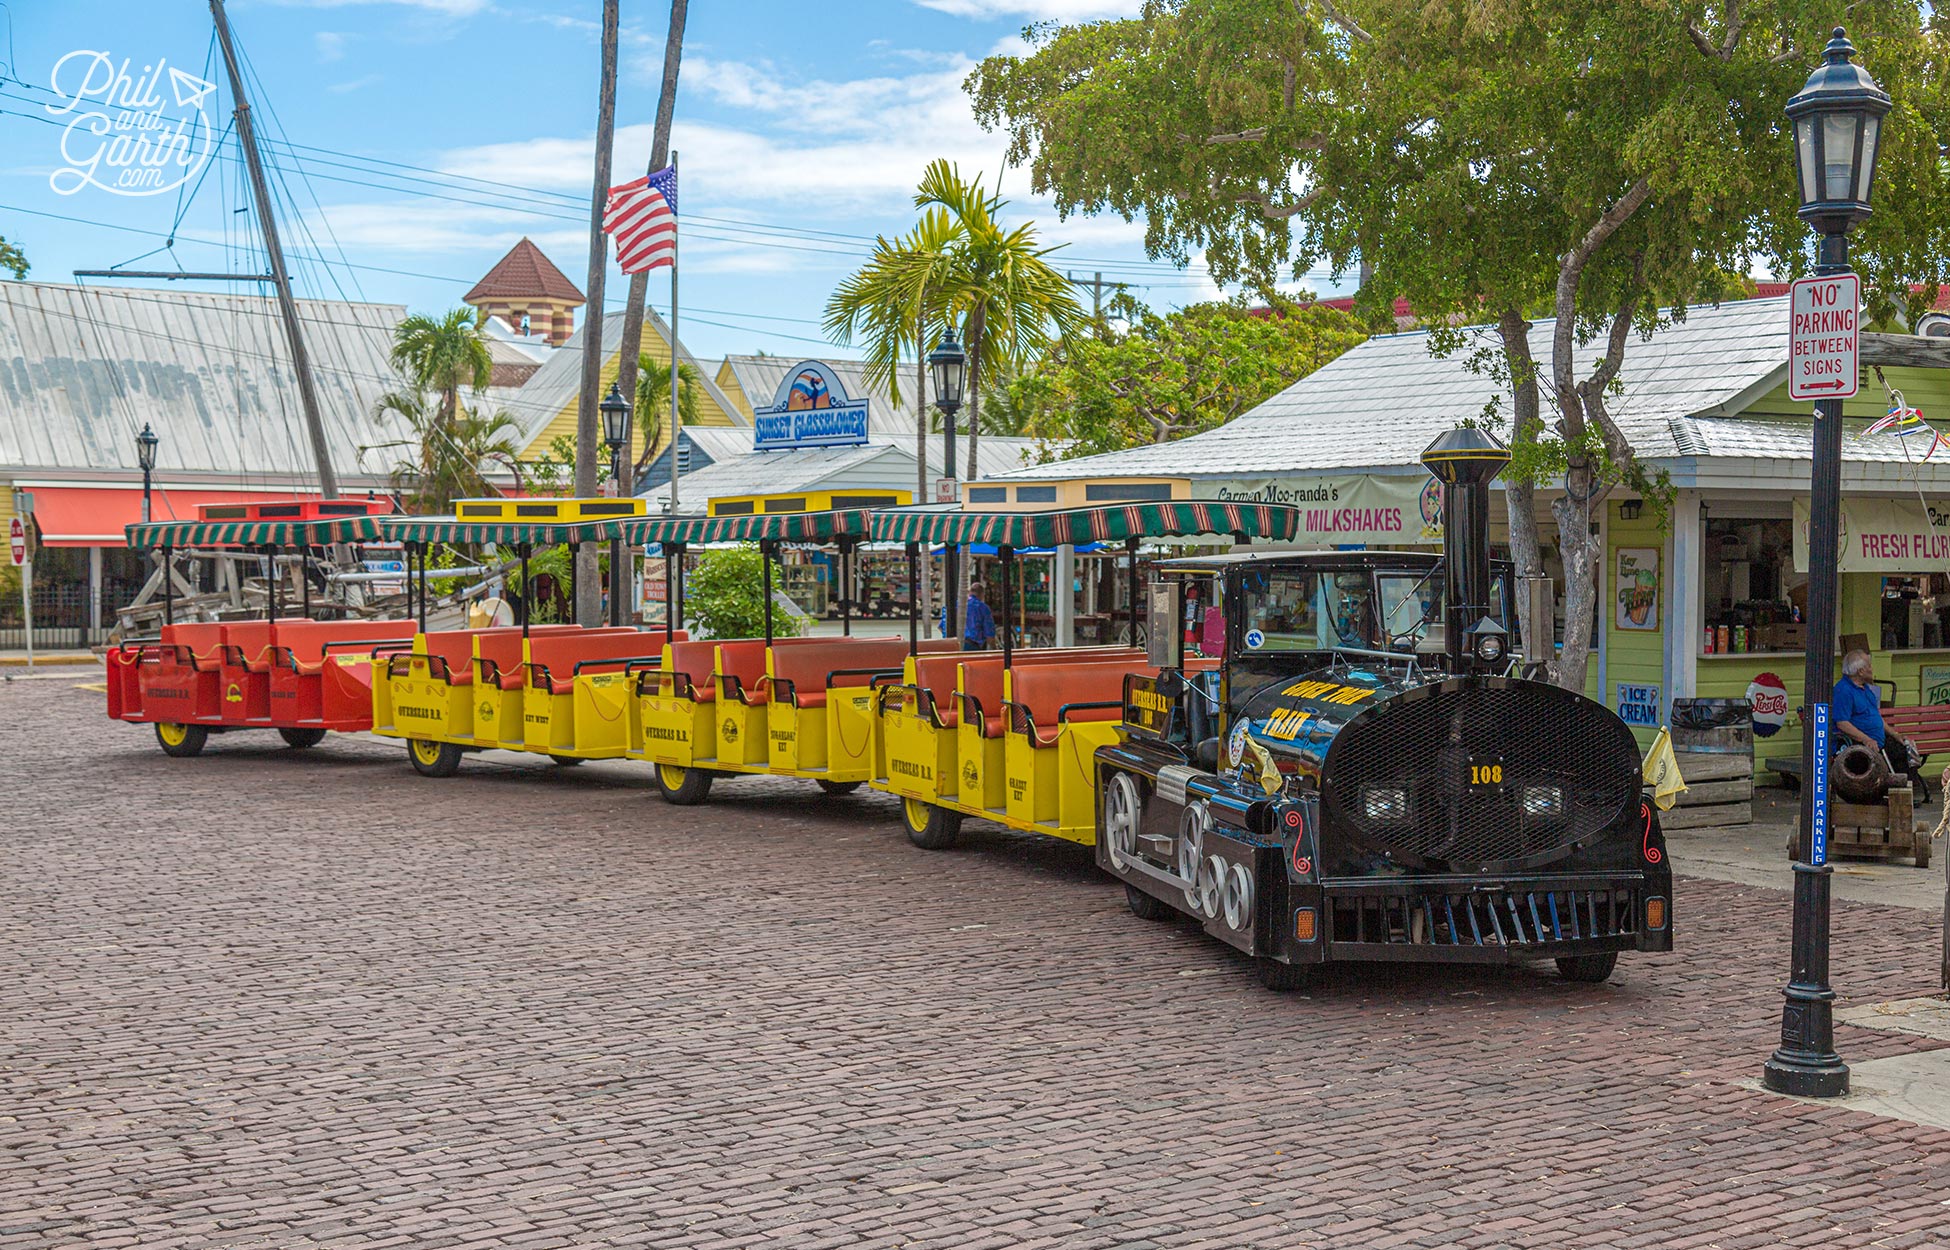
(653,403)
(449,458)
(438,355)
(1011,302)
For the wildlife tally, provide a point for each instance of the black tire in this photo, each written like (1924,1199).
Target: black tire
(1587,969)
(433,759)
(839,787)
(1145,907)
(929,827)
(567,761)
(1284,978)
(300,739)
(181,741)
(680,786)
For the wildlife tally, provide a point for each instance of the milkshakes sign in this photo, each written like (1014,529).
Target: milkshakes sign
(811,409)
(1346,510)
(1824,346)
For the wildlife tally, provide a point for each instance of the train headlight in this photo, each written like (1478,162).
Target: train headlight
(1487,641)
(1384,805)
(1546,802)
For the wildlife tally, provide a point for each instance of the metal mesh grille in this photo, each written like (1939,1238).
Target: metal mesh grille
(1512,918)
(1475,763)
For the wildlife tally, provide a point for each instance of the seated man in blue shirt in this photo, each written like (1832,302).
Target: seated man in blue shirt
(1857,710)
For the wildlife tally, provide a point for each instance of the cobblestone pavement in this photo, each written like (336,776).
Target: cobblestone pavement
(264,1000)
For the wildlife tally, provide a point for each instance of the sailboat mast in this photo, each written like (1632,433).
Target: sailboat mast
(267,222)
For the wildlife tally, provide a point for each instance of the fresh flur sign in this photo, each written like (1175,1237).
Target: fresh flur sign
(1824,343)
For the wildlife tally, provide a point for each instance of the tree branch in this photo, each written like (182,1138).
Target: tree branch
(1570,271)
(1339,19)
(1725,48)
(1254,135)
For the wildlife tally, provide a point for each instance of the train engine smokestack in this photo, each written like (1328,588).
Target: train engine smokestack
(1465,460)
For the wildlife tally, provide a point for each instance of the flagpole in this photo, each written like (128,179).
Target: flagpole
(674,435)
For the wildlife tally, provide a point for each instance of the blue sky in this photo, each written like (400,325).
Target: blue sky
(802,129)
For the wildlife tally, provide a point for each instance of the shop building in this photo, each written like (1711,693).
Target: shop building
(1704,401)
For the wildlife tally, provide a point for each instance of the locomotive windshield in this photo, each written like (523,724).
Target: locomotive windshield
(1305,610)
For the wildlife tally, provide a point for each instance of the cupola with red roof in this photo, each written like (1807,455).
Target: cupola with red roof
(527,291)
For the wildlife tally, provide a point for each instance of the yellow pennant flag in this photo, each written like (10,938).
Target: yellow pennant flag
(1661,772)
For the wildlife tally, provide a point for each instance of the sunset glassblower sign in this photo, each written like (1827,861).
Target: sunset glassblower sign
(1346,510)
(1824,358)
(810,409)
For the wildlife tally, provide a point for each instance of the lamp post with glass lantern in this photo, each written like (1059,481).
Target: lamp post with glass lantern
(145,455)
(949,365)
(616,432)
(1837,120)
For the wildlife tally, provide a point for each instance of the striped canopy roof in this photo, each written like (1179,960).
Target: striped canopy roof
(357,529)
(791,527)
(1110,523)
(446,529)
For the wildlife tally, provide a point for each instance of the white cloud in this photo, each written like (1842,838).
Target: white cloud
(331,44)
(356,84)
(1035,10)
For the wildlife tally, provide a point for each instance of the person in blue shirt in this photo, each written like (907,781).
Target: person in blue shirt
(977,622)
(1857,703)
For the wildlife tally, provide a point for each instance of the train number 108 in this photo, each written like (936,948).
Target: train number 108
(1486,774)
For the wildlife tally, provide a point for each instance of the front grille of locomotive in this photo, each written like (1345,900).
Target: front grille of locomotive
(1565,769)
(1501,918)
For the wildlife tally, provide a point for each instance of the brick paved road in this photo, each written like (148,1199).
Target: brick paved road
(259,1001)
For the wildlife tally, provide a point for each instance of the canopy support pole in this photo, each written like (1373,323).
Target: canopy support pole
(423,587)
(846,587)
(1130,555)
(527,590)
(304,579)
(913,598)
(1008,555)
(271,600)
(670,586)
(575,550)
(169,587)
(765,559)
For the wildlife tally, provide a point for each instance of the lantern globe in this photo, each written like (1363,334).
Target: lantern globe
(948,362)
(1837,118)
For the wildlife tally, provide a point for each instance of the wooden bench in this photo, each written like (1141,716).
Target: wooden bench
(801,676)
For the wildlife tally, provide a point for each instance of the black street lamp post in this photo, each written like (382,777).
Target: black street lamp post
(949,364)
(616,432)
(145,455)
(1837,120)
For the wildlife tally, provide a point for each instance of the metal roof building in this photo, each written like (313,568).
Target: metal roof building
(751,380)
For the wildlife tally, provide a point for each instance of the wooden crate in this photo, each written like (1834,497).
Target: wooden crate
(1878,830)
(1719,791)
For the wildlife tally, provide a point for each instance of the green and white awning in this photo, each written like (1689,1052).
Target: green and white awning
(446,529)
(358,529)
(1111,523)
(790,527)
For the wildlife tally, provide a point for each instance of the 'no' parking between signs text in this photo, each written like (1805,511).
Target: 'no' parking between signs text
(1824,344)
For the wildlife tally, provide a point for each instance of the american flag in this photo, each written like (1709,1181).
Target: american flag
(642,215)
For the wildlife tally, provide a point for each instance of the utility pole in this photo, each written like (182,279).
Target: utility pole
(588,605)
(640,281)
(1096,286)
(267,222)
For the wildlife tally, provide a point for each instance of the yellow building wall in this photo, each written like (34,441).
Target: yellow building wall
(1633,656)
(727,381)
(563,423)
(1928,389)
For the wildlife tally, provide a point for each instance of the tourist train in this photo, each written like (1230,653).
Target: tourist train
(1318,757)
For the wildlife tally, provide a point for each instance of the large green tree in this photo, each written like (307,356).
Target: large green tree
(440,357)
(1173,375)
(1605,165)
(13,259)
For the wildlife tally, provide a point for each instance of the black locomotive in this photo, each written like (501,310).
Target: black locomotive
(1349,771)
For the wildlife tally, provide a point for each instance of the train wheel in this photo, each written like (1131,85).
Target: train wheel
(1144,907)
(1587,969)
(929,827)
(299,739)
(685,787)
(180,741)
(433,759)
(1283,978)
(567,761)
(839,787)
